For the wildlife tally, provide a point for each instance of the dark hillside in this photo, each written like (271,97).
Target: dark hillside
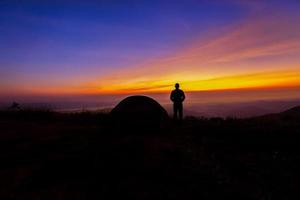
(48,155)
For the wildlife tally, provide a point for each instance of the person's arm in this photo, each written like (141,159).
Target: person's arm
(172,96)
(183,96)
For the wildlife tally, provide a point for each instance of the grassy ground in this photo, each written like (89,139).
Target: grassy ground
(48,155)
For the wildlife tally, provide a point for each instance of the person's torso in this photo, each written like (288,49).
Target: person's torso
(177,95)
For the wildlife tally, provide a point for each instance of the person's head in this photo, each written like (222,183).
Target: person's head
(177,85)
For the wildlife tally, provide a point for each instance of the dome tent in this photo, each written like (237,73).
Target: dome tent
(139,112)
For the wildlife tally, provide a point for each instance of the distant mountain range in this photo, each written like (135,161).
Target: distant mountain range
(226,109)
(292,114)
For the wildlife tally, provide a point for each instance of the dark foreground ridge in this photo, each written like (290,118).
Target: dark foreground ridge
(48,155)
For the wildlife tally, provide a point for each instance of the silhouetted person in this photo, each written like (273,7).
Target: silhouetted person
(177,97)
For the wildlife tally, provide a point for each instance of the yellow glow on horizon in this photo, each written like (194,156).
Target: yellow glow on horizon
(263,80)
(281,79)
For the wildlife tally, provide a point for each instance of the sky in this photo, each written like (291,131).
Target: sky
(64,47)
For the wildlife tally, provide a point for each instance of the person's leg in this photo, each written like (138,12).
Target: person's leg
(180,110)
(175,109)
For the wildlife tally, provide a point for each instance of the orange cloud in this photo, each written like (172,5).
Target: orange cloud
(270,79)
(259,53)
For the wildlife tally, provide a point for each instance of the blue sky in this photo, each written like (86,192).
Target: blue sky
(42,37)
(66,44)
